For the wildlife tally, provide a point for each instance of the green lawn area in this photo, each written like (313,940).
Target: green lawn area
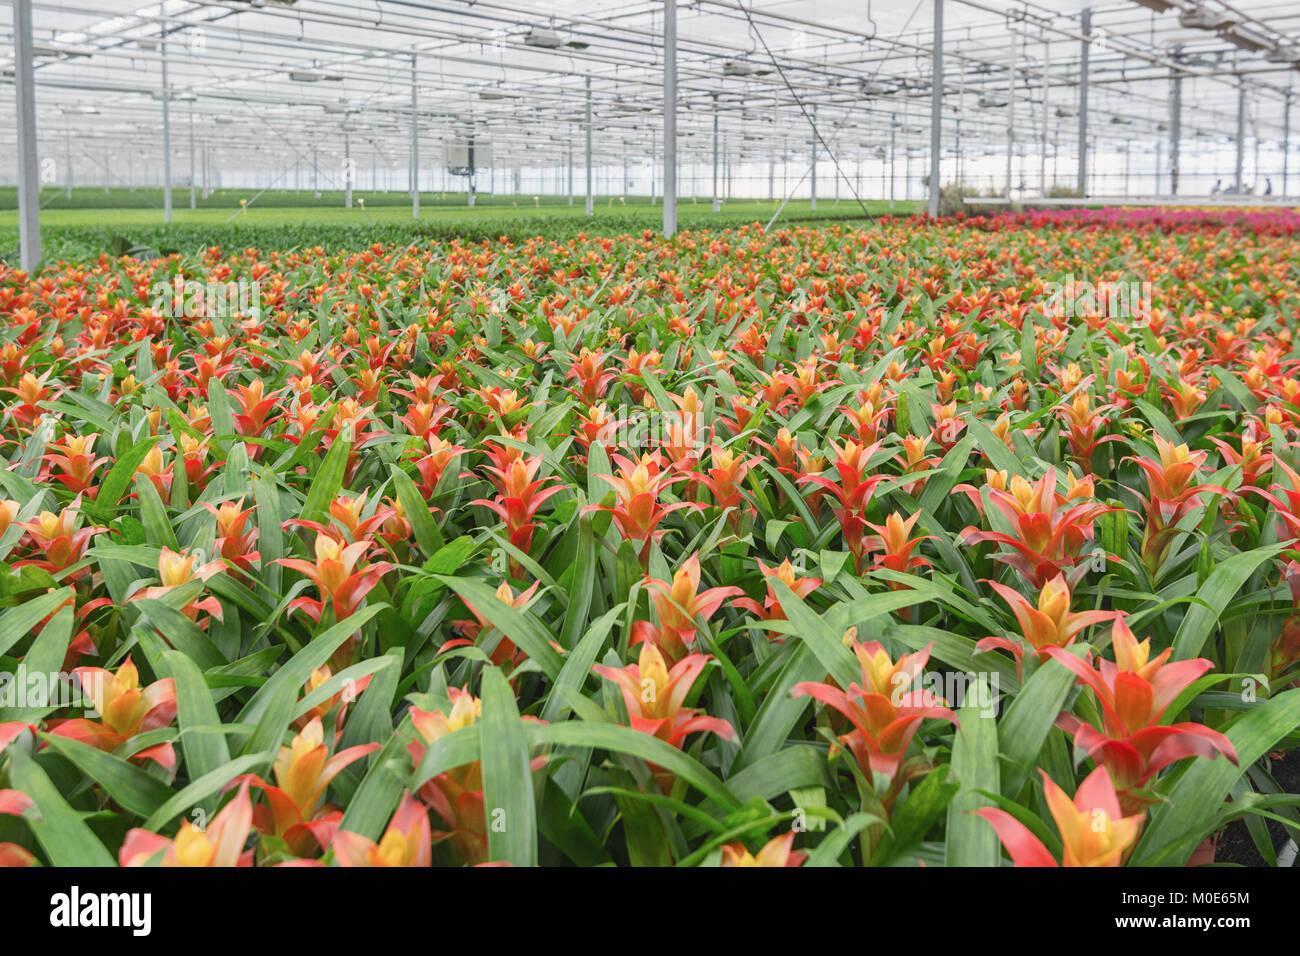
(85,227)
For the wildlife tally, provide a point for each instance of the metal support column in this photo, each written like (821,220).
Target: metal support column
(167,134)
(936,106)
(716,203)
(1085,45)
(591,197)
(1241,132)
(193,185)
(415,138)
(29,173)
(1011,117)
(670,118)
(1175,130)
(812,175)
(1042,153)
(1286,142)
(893,134)
(347,170)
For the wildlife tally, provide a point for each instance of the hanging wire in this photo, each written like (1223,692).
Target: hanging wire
(823,145)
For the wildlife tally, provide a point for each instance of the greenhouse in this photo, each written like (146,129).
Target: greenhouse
(681,433)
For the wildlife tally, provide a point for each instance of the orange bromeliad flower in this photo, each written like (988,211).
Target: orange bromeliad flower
(408,841)
(1093,828)
(885,713)
(1134,692)
(1049,624)
(1171,497)
(220,844)
(335,575)
(126,710)
(639,510)
(456,795)
(1049,529)
(776,852)
(234,542)
(655,696)
(853,488)
(303,770)
(175,569)
(678,606)
(59,539)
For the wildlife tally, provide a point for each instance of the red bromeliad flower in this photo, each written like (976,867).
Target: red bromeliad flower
(336,577)
(679,606)
(885,714)
(771,608)
(655,696)
(776,852)
(893,550)
(1050,624)
(1084,424)
(221,843)
(518,498)
(1171,497)
(432,460)
(853,488)
(724,478)
(639,511)
(62,543)
(1134,692)
(1049,529)
(408,841)
(505,654)
(1094,830)
(73,463)
(348,522)
(126,710)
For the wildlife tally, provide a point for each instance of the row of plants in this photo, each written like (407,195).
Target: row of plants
(830,546)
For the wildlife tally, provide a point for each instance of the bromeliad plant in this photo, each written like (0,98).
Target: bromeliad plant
(544,550)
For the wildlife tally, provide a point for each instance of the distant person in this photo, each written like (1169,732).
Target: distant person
(1218,187)
(1268,187)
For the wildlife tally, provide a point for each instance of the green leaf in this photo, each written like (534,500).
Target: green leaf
(1218,590)
(508,799)
(272,707)
(202,788)
(518,626)
(1029,719)
(326,483)
(119,478)
(969,840)
(17,622)
(204,752)
(60,830)
(132,788)
(423,527)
